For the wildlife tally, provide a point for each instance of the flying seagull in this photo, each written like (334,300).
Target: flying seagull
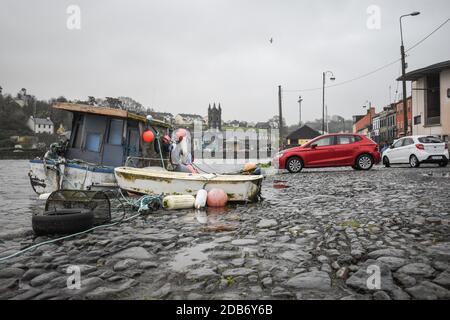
(271,40)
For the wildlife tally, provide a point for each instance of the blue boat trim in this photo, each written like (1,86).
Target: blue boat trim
(76,166)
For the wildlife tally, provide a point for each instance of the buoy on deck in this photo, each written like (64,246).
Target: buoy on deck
(217,198)
(178,202)
(200,199)
(148,136)
(249,167)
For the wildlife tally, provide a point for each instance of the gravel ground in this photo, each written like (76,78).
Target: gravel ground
(320,234)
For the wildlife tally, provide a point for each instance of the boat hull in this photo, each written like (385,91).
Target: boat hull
(239,188)
(46,177)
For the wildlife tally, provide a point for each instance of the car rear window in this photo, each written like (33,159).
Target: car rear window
(430,139)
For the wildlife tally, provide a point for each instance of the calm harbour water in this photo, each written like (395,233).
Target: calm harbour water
(17,199)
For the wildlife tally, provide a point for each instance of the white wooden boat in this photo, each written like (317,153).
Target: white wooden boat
(155,180)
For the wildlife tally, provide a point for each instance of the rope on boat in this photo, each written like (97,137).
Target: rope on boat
(145,203)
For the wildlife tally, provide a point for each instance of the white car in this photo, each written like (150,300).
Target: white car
(416,150)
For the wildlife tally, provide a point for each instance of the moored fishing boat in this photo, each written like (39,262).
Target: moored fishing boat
(156,180)
(100,140)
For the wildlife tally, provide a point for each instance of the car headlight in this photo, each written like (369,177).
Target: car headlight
(279,154)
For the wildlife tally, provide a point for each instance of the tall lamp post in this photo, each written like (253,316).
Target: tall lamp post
(332,78)
(300,111)
(402,51)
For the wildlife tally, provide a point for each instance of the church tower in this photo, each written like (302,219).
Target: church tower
(215,117)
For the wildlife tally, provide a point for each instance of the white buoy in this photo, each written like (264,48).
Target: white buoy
(178,202)
(200,199)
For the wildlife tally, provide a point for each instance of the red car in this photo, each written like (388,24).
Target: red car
(332,150)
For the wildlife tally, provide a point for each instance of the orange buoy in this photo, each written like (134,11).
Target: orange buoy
(249,167)
(148,136)
(217,198)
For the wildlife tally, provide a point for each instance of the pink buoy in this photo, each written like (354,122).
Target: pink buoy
(216,198)
(180,134)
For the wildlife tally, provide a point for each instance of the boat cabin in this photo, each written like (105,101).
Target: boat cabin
(108,137)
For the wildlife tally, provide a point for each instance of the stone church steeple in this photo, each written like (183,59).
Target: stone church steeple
(215,117)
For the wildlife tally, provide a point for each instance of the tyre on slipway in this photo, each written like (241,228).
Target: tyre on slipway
(62,221)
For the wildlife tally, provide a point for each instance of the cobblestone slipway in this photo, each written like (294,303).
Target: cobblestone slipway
(316,235)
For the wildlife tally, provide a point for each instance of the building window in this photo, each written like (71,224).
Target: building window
(417,120)
(433,101)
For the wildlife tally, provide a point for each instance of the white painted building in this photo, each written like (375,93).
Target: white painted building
(40,125)
(188,119)
(431,100)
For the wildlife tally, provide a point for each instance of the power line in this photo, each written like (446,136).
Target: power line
(374,71)
(429,35)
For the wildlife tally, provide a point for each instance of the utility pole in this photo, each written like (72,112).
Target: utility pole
(402,51)
(326,115)
(323,103)
(332,78)
(300,111)
(343,125)
(280,120)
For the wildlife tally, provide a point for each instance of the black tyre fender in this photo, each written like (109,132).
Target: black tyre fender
(292,159)
(64,221)
(386,162)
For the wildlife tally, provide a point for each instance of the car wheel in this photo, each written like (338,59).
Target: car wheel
(414,162)
(294,165)
(364,162)
(386,162)
(443,163)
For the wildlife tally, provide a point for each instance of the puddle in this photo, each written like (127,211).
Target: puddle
(192,256)
(280,186)
(208,216)
(217,210)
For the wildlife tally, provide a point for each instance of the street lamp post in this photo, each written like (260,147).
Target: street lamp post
(332,78)
(300,111)
(402,51)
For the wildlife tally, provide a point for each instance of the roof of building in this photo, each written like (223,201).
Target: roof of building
(42,121)
(304,132)
(419,73)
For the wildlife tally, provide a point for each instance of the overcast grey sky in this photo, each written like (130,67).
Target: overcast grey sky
(179,56)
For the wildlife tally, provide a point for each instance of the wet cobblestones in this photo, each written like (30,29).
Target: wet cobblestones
(314,236)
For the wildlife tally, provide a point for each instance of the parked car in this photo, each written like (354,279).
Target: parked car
(332,150)
(416,150)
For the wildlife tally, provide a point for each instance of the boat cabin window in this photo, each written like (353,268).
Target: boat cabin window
(78,131)
(93,141)
(115,132)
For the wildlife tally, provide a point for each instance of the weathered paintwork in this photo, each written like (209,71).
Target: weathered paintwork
(239,188)
(50,176)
